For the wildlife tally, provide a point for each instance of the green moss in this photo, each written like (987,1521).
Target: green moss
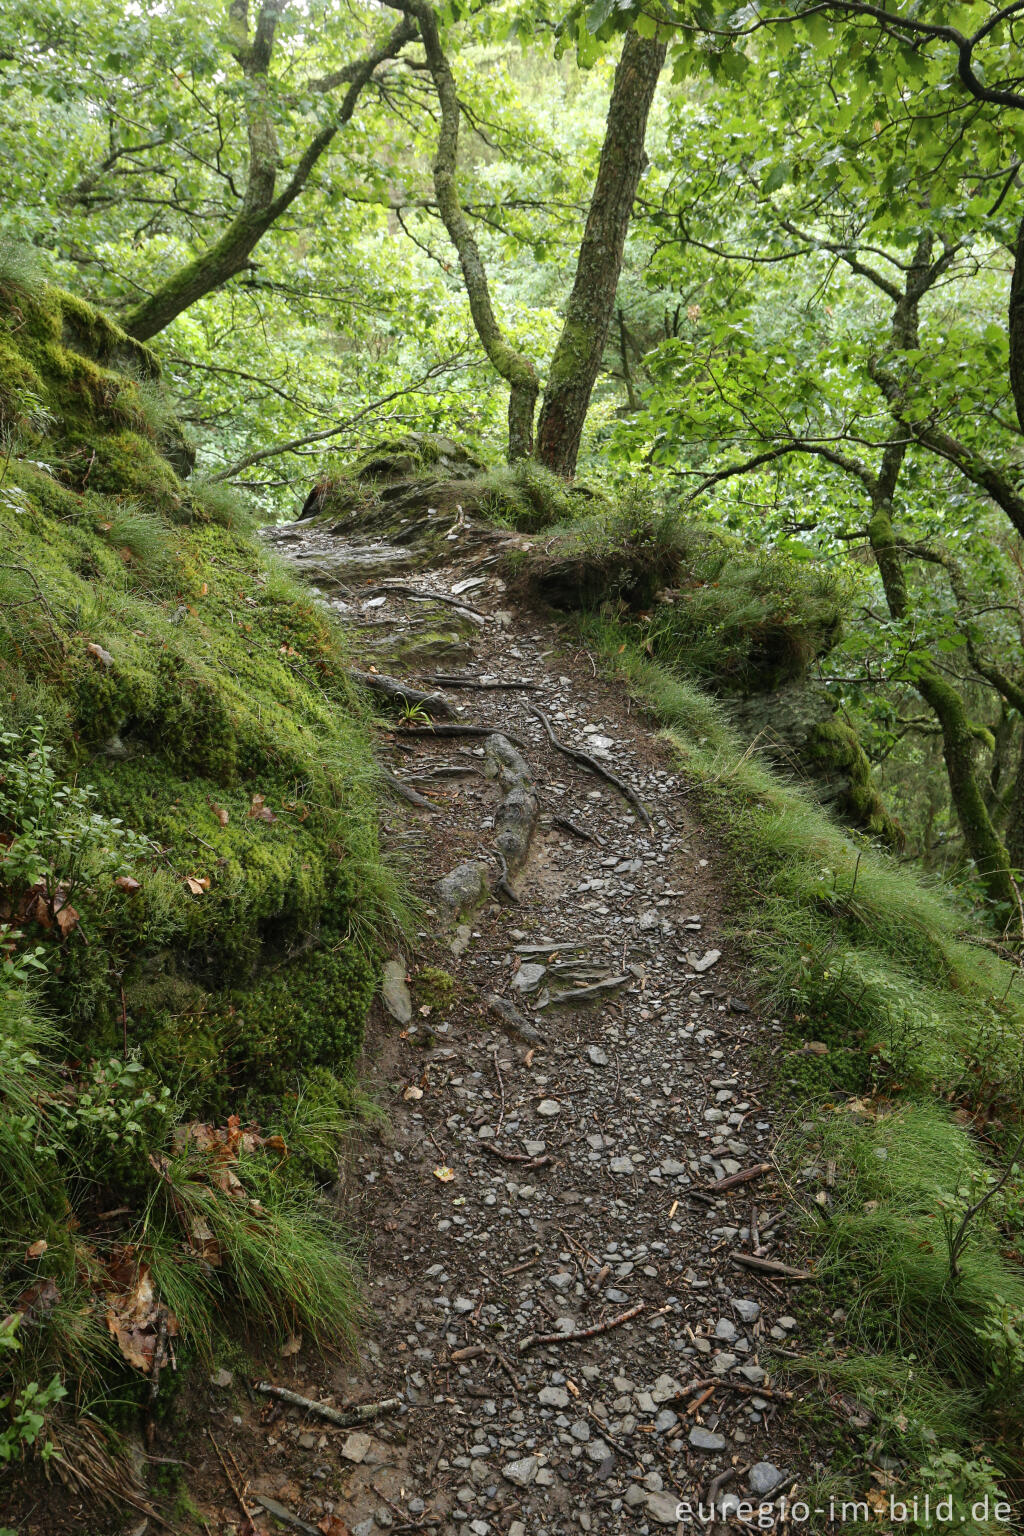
(834,749)
(309,1014)
(530,498)
(124,464)
(205,698)
(433,987)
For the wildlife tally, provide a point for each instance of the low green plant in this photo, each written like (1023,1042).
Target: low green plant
(57,836)
(25,1411)
(193,888)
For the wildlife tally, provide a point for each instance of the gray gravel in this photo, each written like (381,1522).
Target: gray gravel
(581,1137)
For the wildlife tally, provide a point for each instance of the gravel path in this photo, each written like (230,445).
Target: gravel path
(549,1165)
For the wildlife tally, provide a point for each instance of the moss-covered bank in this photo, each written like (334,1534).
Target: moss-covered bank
(191,891)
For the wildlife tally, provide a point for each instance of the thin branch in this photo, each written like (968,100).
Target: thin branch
(433,372)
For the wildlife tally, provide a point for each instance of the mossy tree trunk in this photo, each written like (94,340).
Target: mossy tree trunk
(1015,826)
(1016,326)
(262,204)
(512,365)
(577,357)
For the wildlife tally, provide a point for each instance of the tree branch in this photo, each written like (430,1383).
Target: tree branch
(294,443)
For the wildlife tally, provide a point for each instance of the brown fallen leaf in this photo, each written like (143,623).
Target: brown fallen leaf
(260,811)
(220,813)
(332,1526)
(37,1249)
(203,1242)
(128,883)
(136,1318)
(197,884)
(67,919)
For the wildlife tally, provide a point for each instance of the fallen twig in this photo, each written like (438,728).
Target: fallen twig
(501,1089)
(733,1180)
(579,756)
(533,1339)
(570,826)
(770,1266)
(526,1264)
(711,1383)
(515,1157)
(716,1485)
(238,1494)
(407,1523)
(506,1367)
(357,1413)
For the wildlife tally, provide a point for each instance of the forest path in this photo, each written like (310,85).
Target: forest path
(581,1141)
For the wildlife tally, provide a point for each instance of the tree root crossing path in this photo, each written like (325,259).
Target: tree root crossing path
(577,1262)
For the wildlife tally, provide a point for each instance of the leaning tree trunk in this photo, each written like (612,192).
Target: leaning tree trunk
(262,204)
(1015,826)
(981,839)
(577,357)
(514,366)
(1017,326)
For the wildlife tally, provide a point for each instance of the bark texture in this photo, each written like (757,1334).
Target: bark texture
(577,358)
(262,204)
(1016,326)
(1015,827)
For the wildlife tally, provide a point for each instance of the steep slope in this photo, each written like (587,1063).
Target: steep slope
(191,891)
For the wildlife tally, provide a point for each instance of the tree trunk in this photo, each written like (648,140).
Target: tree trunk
(981,839)
(1015,827)
(577,357)
(1016,326)
(514,366)
(261,208)
(980,836)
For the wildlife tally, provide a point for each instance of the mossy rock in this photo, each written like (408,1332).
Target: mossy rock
(389,472)
(205,697)
(68,372)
